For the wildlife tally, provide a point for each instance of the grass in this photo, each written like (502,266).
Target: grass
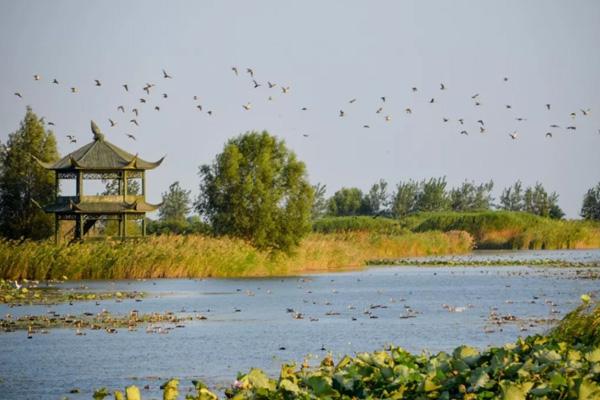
(564,364)
(193,256)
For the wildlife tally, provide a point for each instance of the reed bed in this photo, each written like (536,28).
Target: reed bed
(195,256)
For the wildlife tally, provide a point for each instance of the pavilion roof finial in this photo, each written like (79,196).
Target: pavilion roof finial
(97,134)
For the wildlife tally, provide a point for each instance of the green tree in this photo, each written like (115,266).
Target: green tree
(590,208)
(346,201)
(175,204)
(471,197)
(404,201)
(24,184)
(537,201)
(432,195)
(258,190)
(511,198)
(319,206)
(376,202)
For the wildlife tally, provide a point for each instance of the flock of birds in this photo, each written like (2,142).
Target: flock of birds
(149,88)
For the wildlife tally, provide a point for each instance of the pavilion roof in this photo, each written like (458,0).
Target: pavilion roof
(100,155)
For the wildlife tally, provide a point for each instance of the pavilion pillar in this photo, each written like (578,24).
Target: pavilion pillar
(79,185)
(79,227)
(143,224)
(144,183)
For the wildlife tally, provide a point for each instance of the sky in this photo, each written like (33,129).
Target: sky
(327,53)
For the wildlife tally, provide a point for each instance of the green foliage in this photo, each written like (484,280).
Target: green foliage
(24,184)
(258,190)
(534,200)
(432,195)
(175,204)
(319,207)
(404,201)
(471,197)
(359,224)
(591,204)
(346,201)
(376,202)
(188,226)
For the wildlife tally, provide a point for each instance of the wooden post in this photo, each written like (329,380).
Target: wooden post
(120,225)
(144,184)
(79,188)
(79,227)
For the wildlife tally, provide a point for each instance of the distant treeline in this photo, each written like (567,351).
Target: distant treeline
(434,195)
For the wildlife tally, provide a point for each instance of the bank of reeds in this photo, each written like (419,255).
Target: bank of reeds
(194,256)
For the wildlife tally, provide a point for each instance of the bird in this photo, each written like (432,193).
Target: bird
(271,85)
(121,108)
(130,136)
(126,87)
(481,122)
(98,83)
(209,112)
(142,100)
(505,79)
(195,97)
(408,111)
(134,121)
(445,119)
(548,106)
(554,126)
(285,89)
(520,119)
(366,126)
(476,95)
(250,71)
(74,90)
(432,100)
(157,108)
(342,113)
(19,95)
(247,106)
(414,89)
(165,75)
(462,121)
(573,115)
(572,128)
(37,77)
(55,81)
(51,123)
(72,138)
(508,106)
(388,118)
(463,132)
(235,70)
(383,98)
(477,103)
(165,95)
(549,134)
(304,109)
(135,111)
(380,109)
(585,112)
(112,123)
(256,84)
(352,101)
(513,135)
(481,129)
(442,86)
(305,135)
(199,107)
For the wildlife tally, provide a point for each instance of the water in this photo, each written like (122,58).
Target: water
(214,350)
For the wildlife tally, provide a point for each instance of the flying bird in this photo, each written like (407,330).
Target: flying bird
(352,101)
(285,89)
(134,121)
(380,109)
(481,129)
(480,121)
(442,86)
(250,71)
(342,113)
(414,89)
(549,134)
(477,103)
(98,83)
(235,70)
(305,135)
(157,108)
(572,128)
(74,90)
(513,135)
(121,108)
(508,106)
(51,123)
(135,111)
(520,119)
(37,77)
(573,114)
(130,136)
(366,126)
(505,79)
(476,95)
(142,100)
(548,106)
(271,85)
(126,87)
(72,138)
(462,121)
(199,107)
(432,100)
(554,126)
(388,118)
(165,95)
(464,133)
(408,111)
(304,108)
(55,81)
(18,95)
(256,84)
(383,98)
(112,123)
(165,75)
(247,106)
(195,97)
(445,119)
(585,112)
(209,112)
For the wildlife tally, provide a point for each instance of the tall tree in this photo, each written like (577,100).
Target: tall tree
(432,195)
(471,197)
(346,201)
(405,199)
(511,198)
(24,184)
(258,190)
(175,204)
(590,208)
(376,202)
(319,206)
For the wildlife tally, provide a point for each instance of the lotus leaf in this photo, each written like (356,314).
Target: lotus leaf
(320,385)
(594,355)
(289,386)
(515,391)
(100,394)
(119,395)
(257,379)
(469,355)
(479,379)
(133,393)
(170,391)
(588,390)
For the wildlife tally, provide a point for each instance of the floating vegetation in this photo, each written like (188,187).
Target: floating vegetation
(466,262)
(565,363)
(111,323)
(31,293)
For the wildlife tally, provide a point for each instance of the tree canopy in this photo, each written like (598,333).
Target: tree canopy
(24,185)
(175,204)
(258,190)
(590,208)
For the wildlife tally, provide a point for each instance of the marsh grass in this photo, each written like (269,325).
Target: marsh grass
(192,256)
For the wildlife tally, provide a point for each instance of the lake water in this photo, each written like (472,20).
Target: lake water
(248,323)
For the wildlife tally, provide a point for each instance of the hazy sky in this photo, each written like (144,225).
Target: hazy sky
(327,52)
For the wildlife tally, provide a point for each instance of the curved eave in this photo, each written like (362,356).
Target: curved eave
(146,165)
(44,164)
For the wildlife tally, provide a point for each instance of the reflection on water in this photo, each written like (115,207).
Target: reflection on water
(250,321)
